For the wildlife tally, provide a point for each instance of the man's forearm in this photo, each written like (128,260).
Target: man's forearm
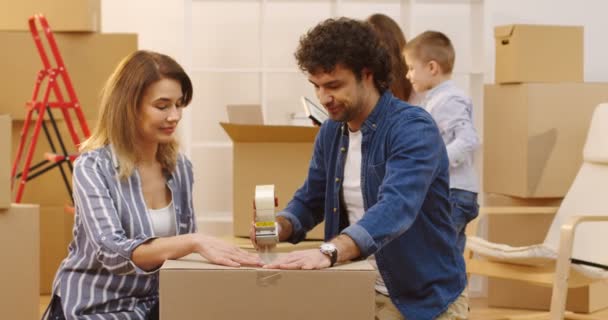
(285,228)
(347,248)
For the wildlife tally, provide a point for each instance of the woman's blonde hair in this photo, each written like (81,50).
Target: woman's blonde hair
(120,105)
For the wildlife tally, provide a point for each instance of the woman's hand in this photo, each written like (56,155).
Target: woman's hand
(223,253)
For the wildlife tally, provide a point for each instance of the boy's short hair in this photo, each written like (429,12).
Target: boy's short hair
(433,46)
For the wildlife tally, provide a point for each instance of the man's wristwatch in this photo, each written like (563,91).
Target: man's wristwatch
(330,250)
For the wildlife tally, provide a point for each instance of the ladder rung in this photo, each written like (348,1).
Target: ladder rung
(39,104)
(53,157)
(69,209)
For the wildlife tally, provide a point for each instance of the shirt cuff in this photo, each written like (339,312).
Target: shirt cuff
(365,242)
(137,269)
(297,233)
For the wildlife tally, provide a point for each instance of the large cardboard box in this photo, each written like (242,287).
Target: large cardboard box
(539,53)
(534,135)
(264,154)
(19,279)
(191,288)
(532,229)
(55,236)
(90,59)
(62,15)
(5,161)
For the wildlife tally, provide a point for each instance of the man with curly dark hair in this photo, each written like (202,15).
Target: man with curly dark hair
(379,177)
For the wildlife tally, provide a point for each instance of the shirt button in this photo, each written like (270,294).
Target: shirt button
(337,179)
(373,125)
(343,149)
(335,209)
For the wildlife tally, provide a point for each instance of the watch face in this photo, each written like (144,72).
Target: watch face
(328,247)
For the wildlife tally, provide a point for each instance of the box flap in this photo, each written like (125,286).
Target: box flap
(504,31)
(196,262)
(267,133)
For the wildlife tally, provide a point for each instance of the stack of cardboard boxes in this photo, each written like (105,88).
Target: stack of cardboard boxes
(90,57)
(19,243)
(536,118)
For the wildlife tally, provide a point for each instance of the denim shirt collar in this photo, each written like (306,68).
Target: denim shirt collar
(377,115)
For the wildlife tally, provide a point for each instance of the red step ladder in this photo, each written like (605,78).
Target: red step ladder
(52,82)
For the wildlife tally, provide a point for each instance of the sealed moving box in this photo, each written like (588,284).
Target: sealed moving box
(63,15)
(193,289)
(19,279)
(534,135)
(519,229)
(90,59)
(5,161)
(538,53)
(264,154)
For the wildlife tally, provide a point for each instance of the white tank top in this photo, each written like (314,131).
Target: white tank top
(163,221)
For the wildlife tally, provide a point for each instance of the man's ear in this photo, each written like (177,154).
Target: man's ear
(367,75)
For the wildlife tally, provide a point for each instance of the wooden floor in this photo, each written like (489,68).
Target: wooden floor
(479,310)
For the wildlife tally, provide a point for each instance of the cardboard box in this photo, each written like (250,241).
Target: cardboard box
(539,53)
(49,188)
(262,154)
(19,244)
(5,161)
(191,288)
(90,59)
(55,236)
(62,15)
(534,135)
(532,229)
(245,243)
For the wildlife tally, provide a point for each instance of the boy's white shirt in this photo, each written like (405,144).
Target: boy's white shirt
(452,110)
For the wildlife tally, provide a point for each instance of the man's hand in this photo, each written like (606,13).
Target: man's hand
(304,260)
(284,229)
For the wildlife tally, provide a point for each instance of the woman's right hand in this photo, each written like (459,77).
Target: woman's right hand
(223,253)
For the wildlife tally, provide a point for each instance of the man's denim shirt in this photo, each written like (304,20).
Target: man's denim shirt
(407,222)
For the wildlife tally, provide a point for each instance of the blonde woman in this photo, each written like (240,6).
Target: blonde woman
(133,198)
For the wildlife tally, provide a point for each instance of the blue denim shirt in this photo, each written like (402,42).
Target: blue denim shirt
(407,222)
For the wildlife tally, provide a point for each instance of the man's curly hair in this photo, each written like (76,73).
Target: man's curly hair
(345,41)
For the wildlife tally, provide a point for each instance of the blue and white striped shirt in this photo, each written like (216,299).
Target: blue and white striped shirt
(98,279)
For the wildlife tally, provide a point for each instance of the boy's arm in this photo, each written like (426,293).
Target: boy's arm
(455,120)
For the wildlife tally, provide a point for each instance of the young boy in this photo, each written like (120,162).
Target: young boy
(430,60)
